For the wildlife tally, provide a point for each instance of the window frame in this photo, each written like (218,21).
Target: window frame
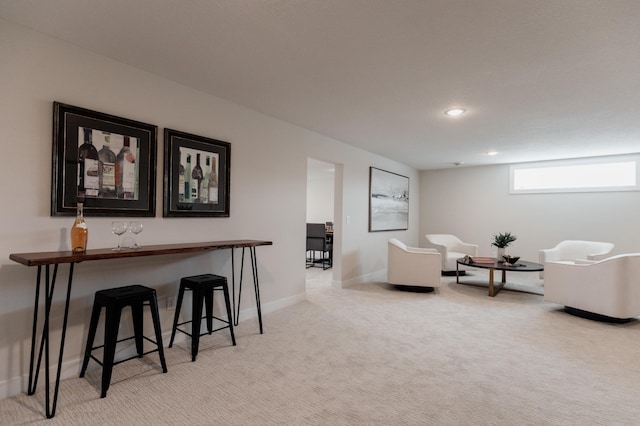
(575,162)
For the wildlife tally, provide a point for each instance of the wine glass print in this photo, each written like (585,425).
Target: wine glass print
(119,228)
(135,227)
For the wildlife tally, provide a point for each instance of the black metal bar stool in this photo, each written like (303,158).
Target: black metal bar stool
(114,300)
(202,288)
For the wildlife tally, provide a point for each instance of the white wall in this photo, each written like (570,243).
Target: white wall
(320,191)
(268,192)
(474,203)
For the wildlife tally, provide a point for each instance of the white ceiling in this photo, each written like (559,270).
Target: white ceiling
(540,79)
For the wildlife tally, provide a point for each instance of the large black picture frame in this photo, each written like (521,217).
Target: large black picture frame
(70,124)
(181,197)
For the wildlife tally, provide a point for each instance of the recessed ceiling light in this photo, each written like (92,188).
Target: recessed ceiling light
(492,153)
(454,112)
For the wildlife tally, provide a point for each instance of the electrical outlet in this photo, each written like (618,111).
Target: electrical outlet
(171,303)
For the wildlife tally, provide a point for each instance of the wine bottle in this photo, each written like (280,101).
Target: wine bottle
(79,232)
(196,179)
(187,180)
(125,172)
(180,182)
(135,152)
(88,167)
(107,168)
(204,185)
(213,182)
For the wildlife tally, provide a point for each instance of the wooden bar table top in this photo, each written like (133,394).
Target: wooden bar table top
(54,257)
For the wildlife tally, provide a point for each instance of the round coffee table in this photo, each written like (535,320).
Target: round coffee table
(520,266)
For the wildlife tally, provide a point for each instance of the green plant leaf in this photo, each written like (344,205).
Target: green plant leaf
(503,239)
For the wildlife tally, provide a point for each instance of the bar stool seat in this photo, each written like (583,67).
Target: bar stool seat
(114,300)
(202,289)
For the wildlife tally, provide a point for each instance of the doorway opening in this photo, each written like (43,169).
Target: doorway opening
(321,210)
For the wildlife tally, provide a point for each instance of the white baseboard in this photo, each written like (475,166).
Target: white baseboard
(376,276)
(71,368)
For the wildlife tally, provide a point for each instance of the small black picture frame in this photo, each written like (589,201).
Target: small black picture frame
(77,176)
(196,175)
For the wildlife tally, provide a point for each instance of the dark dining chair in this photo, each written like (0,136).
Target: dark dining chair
(317,242)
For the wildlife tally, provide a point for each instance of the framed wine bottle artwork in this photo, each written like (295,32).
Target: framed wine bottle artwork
(104,161)
(196,175)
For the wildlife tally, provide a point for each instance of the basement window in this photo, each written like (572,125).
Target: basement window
(620,173)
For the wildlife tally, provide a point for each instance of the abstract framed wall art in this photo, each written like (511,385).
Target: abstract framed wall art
(196,175)
(106,162)
(388,201)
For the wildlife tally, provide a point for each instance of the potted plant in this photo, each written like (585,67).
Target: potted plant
(502,241)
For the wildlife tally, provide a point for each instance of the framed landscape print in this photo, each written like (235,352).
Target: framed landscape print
(196,175)
(106,162)
(388,201)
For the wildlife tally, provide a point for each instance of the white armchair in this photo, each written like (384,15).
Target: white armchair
(412,266)
(451,249)
(608,287)
(574,250)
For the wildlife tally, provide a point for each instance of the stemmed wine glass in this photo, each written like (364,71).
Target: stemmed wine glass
(119,228)
(135,227)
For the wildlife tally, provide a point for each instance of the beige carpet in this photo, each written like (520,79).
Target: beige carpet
(373,355)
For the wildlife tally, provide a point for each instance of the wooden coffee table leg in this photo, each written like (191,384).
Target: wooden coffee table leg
(493,288)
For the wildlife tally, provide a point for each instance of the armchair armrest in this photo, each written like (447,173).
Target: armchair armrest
(421,250)
(441,248)
(466,248)
(599,256)
(547,255)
